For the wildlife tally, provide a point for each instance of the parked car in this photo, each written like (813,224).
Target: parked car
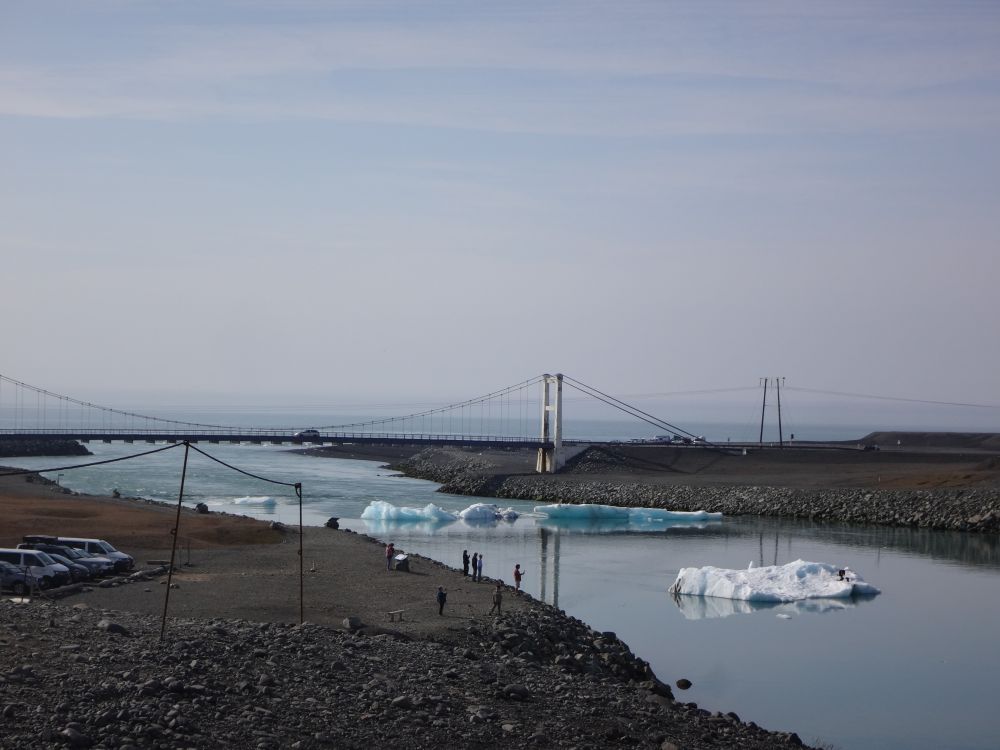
(77,572)
(13,579)
(46,571)
(122,562)
(95,564)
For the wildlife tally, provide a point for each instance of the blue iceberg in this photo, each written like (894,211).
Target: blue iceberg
(610,514)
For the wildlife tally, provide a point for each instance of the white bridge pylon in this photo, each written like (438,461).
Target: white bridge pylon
(550,460)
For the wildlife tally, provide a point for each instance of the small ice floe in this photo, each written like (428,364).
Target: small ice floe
(639,516)
(773,583)
(266,501)
(478,513)
(380,510)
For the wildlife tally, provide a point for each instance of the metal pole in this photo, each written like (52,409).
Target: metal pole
(298,491)
(762,407)
(173,548)
(777,388)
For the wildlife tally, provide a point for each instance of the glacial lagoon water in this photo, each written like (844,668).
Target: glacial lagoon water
(912,668)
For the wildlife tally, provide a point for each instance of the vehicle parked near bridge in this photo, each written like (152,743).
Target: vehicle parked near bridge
(46,571)
(14,579)
(96,564)
(121,561)
(77,572)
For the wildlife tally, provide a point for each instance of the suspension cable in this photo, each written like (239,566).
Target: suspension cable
(461,404)
(631,410)
(243,471)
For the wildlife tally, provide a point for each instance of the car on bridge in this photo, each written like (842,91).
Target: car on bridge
(307,435)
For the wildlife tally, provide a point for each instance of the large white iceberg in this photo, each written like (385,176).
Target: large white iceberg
(380,510)
(593,512)
(773,583)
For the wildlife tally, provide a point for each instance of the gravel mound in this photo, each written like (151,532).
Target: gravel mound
(72,676)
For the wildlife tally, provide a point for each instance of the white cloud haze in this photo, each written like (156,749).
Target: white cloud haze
(353,200)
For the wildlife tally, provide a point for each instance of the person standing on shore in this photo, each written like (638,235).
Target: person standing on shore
(479,568)
(442,597)
(465,562)
(475,564)
(497,598)
(390,552)
(517,577)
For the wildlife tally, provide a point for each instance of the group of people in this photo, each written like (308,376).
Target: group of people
(442,598)
(477,565)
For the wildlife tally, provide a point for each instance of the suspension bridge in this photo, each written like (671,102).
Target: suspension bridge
(526,415)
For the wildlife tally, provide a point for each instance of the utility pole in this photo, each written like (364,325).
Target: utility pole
(777,387)
(762,407)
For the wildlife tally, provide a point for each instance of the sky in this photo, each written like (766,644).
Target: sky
(268,201)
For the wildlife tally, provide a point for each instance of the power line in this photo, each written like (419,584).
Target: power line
(892,398)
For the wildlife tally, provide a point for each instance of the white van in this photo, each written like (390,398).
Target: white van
(100,547)
(46,571)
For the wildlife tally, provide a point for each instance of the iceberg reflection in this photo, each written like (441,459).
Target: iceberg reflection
(615,525)
(710,607)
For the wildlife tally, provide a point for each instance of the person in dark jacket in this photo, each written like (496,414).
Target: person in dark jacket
(442,597)
(475,565)
(465,562)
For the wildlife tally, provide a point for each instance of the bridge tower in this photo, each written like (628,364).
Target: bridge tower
(550,460)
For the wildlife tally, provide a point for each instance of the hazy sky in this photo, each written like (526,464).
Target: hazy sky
(400,200)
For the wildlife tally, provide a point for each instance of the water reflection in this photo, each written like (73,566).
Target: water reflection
(618,526)
(383,527)
(711,607)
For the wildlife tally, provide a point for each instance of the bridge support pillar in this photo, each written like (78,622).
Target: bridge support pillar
(550,460)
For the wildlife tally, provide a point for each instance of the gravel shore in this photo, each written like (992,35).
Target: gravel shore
(75,676)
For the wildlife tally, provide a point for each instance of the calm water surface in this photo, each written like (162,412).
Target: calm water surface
(912,668)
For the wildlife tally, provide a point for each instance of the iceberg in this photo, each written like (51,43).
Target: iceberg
(380,510)
(487,513)
(269,502)
(773,583)
(611,513)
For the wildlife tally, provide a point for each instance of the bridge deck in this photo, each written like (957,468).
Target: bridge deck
(275,438)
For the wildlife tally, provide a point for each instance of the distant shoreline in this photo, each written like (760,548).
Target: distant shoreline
(932,480)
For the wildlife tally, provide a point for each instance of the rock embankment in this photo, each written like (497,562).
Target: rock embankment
(960,510)
(966,509)
(49,447)
(77,677)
